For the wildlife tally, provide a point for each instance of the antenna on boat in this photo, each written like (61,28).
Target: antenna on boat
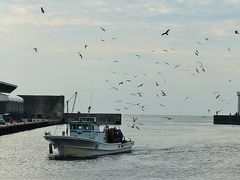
(75,97)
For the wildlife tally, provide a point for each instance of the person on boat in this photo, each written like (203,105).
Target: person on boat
(106,130)
(111,135)
(119,135)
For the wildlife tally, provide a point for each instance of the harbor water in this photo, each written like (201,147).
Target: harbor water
(183,147)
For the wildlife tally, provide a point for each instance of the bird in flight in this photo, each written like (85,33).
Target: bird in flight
(162,105)
(217,96)
(80,55)
(42,10)
(134,125)
(138,55)
(197,71)
(236,32)
(115,61)
(120,83)
(157,84)
(197,52)
(103,29)
(35,49)
(163,93)
(206,39)
(85,46)
(166,32)
(140,85)
(186,99)
(177,66)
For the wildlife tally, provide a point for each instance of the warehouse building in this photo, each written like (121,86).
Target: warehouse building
(10,103)
(34,106)
(42,106)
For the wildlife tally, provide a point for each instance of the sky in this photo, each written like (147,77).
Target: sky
(125,68)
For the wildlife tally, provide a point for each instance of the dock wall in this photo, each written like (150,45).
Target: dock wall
(19,127)
(226,119)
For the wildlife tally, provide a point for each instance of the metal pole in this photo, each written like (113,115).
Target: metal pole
(238,109)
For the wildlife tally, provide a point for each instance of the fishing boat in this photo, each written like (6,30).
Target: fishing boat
(87,140)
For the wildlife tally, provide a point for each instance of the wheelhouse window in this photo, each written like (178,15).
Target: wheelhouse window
(72,126)
(85,127)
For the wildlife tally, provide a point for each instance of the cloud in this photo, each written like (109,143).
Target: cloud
(159,9)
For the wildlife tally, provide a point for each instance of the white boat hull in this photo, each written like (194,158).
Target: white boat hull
(80,147)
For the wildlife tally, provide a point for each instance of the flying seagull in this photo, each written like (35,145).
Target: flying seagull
(217,96)
(236,32)
(42,10)
(103,29)
(197,52)
(85,46)
(35,49)
(177,66)
(165,33)
(163,93)
(80,55)
(140,85)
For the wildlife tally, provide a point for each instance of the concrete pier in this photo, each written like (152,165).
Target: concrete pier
(226,119)
(24,126)
(229,119)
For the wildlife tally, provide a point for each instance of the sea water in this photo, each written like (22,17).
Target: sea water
(181,147)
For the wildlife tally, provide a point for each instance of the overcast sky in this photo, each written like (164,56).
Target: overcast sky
(132,28)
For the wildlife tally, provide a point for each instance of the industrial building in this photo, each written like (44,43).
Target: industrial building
(9,103)
(43,106)
(39,106)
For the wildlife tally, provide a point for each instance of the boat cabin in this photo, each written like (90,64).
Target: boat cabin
(86,127)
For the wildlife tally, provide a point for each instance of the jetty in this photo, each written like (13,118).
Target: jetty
(25,125)
(229,119)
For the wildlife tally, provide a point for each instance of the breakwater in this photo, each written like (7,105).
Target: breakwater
(25,126)
(226,119)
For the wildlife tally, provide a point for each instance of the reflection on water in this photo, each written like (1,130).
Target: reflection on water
(184,147)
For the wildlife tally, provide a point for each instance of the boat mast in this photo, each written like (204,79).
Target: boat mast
(75,97)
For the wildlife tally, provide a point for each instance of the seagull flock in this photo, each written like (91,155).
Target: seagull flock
(133,81)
